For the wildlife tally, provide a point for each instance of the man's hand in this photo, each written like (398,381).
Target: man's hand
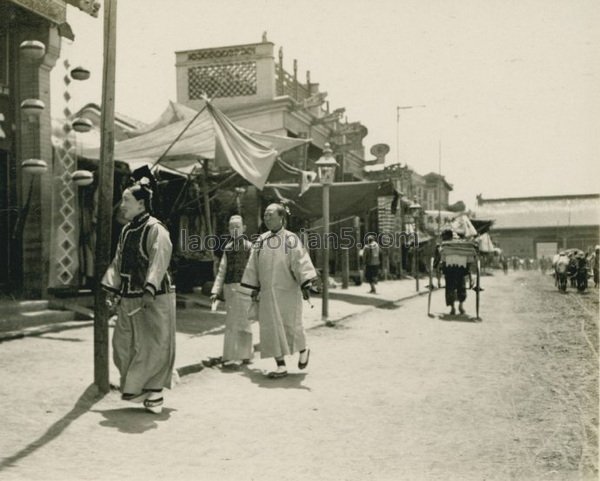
(213,297)
(112,301)
(306,292)
(147,299)
(254,295)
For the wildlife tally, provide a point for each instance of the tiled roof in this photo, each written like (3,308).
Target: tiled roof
(555,211)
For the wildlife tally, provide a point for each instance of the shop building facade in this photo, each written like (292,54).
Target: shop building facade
(250,85)
(28,202)
(536,227)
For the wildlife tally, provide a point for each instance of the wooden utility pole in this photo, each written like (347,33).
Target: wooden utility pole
(206,198)
(105,196)
(325,293)
(439,185)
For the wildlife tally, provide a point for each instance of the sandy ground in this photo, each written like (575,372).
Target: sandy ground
(388,395)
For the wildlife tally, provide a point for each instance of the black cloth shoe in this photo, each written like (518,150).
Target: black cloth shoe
(230,365)
(154,405)
(306,356)
(135,398)
(212,361)
(280,372)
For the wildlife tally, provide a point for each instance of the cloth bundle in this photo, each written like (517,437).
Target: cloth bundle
(458,252)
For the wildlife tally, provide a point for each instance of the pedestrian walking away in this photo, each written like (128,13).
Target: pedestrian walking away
(372,256)
(455,269)
(595,261)
(140,285)
(278,276)
(237,341)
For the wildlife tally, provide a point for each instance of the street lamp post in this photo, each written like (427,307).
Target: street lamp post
(415,210)
(326,166)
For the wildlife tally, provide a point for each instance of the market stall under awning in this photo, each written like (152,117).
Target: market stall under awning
(175,145)
(345,198)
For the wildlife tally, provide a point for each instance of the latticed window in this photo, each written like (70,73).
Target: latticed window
(222,80)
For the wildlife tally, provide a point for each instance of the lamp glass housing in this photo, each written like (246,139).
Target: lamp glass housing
(326,166)
(326,174)
(415,209)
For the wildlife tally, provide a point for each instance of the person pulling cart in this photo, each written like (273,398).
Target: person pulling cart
(455,258)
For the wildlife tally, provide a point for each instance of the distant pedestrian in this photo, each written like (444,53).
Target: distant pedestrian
(504,264)
(279,274)
(237,341)
(372,258)
(138,278)
(596,266)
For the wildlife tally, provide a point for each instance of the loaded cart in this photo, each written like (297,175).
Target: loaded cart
(461,254)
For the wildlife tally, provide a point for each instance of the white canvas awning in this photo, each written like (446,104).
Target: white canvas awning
(211,135)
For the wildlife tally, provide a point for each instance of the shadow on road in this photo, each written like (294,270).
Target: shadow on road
(57,338)
(89,397)
(200,322)
(458,318)
(291,381)
(390,306)
(133,420)
(367,300)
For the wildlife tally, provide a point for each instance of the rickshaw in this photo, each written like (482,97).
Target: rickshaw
(458,252)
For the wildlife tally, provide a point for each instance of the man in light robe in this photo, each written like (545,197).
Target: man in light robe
(279,275)
(237,341)
(372,256)
(138,278)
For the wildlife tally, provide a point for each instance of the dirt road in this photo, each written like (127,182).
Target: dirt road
(390,395)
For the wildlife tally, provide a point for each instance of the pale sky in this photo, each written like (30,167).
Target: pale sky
(510,87)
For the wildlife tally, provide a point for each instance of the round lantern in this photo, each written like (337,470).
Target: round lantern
(32,49)
(81,178)
(32,107)
(34,166)
(81,124)
(80,73)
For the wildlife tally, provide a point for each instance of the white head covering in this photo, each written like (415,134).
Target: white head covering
(463,226)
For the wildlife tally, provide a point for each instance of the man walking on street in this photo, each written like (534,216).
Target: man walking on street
(455,269)
(372,255)
(237,341)
(279,274)
(138,278)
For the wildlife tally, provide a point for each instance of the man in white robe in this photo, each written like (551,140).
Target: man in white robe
(279,274)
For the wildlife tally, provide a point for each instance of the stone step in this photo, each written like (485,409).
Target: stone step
(15,307)
(22,320)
